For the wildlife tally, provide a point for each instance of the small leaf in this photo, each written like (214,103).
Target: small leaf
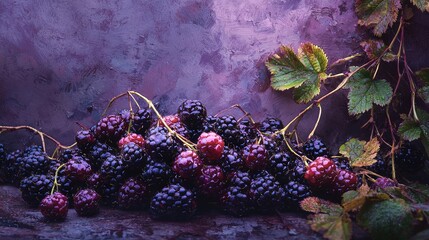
(410,129)
(373,48)
(360,153)
(332,227)
(317,205)
(364,92)
(377,14)
(423,5)
(304,71)
(389,57)
(363,194)
(424,93)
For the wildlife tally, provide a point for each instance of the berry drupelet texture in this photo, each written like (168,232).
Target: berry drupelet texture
(86,202)
(173,202)
(192,113)
(54,207)
(210,146)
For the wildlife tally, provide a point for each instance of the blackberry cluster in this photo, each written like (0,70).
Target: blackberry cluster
(173,202)
(314,148)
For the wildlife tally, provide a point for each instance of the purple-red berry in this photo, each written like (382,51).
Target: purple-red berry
(210,146)
(54,207)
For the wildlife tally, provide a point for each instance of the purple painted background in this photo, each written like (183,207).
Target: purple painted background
(61,61)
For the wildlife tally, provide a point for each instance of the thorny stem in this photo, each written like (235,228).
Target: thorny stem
(56,184)
(317,122)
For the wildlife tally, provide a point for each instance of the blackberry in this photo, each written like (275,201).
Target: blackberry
(156,175)
(173,202)
(344,181)
(67,154)
(2,156)
(409,159)
(187,165)
(98,153)
(34,161)
(77,169)
(110,129)
(67,187)
(342,163)
(297,171)
(11,167)
(211,182)
(133,157)
(239,180)
(321,173)
(131,137)
(169,120)
(84,140)
(54,207)
(180,129)
(380,166)
(35,187)
(266,192)
(231,160)
(227,128)
(161,145)
(273,144)
(112,172)
(95,182)
(86,202)
(210,146)
(133,194)
(271,125)
(383,182)
(142,121)
(279,166)
(314,148)
(255,157)
(236,202)
(295,192)
(249,128)
(209,124)
(192,113)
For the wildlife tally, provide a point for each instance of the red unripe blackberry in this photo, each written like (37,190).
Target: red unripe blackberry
(383,182)
(343,182)
(84,140)
(133,194)
(169,120)
(77,169)
(187,165)
(210,146)
(86,202)
(211,182)
(131,137)
(192,113)
(54,207)
(110,129)
(321,172)
(255,157)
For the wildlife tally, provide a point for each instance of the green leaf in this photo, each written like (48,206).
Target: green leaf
(410,129)
(423,74)
(389,219)
(304,71)
(317,205)
(377,14)
(363,194)
(424,125)
(423,92)
(364,92)
(421,4)
(360,153)
(332,226)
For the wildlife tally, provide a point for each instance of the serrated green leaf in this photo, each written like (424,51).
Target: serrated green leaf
(352,149)
(389,219)
(304,71)
(377,14)
(364,92)
(373,48)
(423,5)
(360,153)
(410,129)
(424,93)
(332,227)
(317,205)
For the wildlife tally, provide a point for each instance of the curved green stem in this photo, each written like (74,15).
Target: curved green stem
(56,184)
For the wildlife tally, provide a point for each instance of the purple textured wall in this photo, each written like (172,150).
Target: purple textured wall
(61,61)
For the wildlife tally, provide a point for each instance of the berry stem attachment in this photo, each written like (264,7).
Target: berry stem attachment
(56,184)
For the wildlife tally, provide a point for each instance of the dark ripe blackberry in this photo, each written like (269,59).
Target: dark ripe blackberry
(67,154)
(113,170)
(297,171)
(273,144)
(133,194)
(344,181)
(271,125)
(380,166)
(279,166)
(187,165)
(11,167)
(321,173)
(383,182)
(110,129)
(227,128)
(84,140)
(210,146)
(209,124)
(131,137)
(236,202)
(95,182)
(173,202)
(194,134)
(342,163)
(86,202)
(314,148)
(98,153)
(110,192)
(133,157)
(2,156)
(179,128)
(142,121)
(255,157)
(54,207)
(249,128)
(266,192)
(192,113)
(239,180)
(33,148)
(156,129)
(35,187)
(77,169)
(34,161)
(161,146)
(296,192)
(156,175)
(67,186)
(409,159)
(231,160)
(211,182)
